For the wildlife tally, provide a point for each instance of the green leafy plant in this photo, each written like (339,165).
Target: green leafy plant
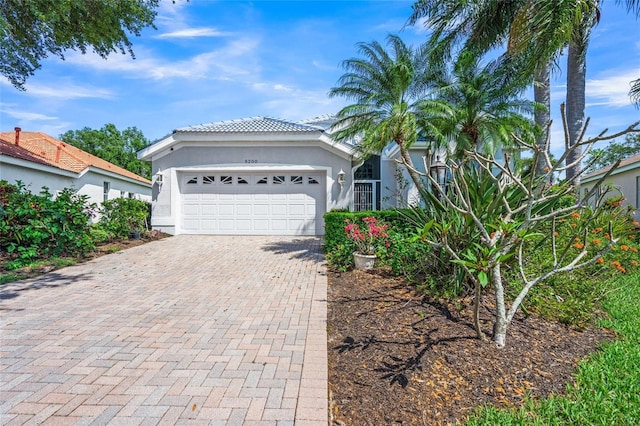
(121,216)
(36,226)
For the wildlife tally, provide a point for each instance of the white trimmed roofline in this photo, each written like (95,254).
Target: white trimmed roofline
(183,139)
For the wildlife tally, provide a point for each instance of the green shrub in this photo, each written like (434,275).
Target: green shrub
(38,226)
(121,216)
(575,297)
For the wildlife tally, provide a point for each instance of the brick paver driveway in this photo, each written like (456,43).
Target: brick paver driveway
(188,329)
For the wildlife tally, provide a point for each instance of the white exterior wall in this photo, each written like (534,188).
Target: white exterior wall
(166,199)
(34,179)
(35,176)
(627,181)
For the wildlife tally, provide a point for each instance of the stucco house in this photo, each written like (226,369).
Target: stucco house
(266,176)
(625,178)
(37,160)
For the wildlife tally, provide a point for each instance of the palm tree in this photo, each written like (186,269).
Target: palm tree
(479,26)
(484,107)
(389,93)
(536,31)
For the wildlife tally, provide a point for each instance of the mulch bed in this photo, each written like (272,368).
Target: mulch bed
(397,357)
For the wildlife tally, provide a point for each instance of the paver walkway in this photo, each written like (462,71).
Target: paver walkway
(184,330)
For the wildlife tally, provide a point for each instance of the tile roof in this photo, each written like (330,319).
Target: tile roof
(252,125)
(64,156)
(12,150)
(325,121)
(627,161)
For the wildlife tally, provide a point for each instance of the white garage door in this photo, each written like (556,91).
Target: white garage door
(253,204)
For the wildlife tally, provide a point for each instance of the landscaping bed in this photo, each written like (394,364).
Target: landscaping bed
(396,357)
(45,266)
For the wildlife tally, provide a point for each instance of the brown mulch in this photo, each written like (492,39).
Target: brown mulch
(397,357)
(101,250)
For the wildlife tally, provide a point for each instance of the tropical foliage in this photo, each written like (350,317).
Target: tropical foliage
(33,226)
(33,30)
(387,88)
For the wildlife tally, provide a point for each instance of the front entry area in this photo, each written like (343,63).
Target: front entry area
(237,203)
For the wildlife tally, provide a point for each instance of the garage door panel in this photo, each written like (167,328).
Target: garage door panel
(244,209)
(261,225)
(297,209)
(208,210)
(243,224)
(208,225)
(225,209)
(191,197)
(279,224)
(261,209)
(278,207)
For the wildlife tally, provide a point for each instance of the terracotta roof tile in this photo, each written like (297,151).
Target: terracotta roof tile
(64,156)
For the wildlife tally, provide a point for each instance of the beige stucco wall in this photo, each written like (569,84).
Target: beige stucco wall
(625,182)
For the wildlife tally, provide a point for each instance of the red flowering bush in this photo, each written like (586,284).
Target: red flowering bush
(369,237)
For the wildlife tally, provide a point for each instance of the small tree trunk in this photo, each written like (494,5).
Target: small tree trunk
(476,311)
(500,326)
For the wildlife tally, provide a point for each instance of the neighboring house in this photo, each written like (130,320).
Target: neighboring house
(625,178)
(265,176)
(38,160)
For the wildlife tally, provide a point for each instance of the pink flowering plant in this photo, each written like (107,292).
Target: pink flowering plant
(369,237)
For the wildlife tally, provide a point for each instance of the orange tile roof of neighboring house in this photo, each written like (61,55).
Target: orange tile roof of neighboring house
(62,155)
(625,162)
(12,150)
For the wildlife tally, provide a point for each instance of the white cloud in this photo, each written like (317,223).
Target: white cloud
(28,116)
(236,58)
(193,33)
(62,90)
(612,90)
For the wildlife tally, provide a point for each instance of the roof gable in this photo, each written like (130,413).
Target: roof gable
(62,155)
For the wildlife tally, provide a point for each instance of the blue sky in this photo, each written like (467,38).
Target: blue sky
(217,60)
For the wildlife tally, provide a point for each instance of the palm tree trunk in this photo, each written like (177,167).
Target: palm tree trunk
(576,78)
(542,95)
(415,176)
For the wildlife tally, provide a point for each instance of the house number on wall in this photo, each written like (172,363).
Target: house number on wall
(250,161)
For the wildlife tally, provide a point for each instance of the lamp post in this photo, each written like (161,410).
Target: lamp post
(438,172)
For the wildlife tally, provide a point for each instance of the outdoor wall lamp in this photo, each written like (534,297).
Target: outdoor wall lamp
(158,179)
(341,177)
(438,172)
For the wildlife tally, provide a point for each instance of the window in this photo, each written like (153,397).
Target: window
(313,181)
(122,194)
(263,181)
(106,187)
(242,181)
(278,180)
(132,195)
(192,180)
(296,180)
(370,170)
(226,180)
(208,180)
